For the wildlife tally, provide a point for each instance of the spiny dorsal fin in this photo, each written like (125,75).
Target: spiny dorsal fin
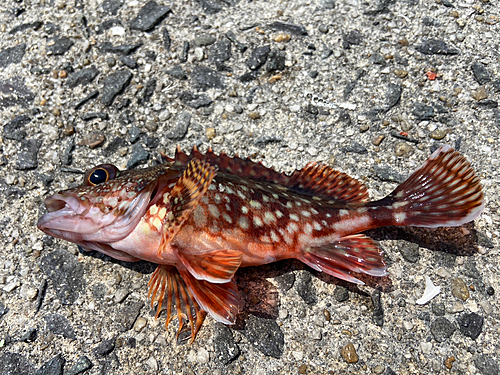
(314,179)
(184,197)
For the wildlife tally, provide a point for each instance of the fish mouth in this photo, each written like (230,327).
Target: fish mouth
(81,222)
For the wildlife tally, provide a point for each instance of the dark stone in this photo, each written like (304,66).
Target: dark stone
(12,55)
(106,25)
(470,270)
(181,128)
(232,37)
(393,95)
(177,72)
(125,49)
(487,104)
(353,37)
(59,46)
(134,134)
(276,61)
(14,92)
(59,325)
(93,115)
(313,74)
(82,77)
(249,76)
(204,40)
(66,274)
(496,84)
(204,78)
(114,145)
(265,139)
(356,148)
(105,347)
(428,21)
(211,6)
(51,28)
(152,142)
(25,26)
(40,71)
(265,335)
(113,85)
(111,7)
(220,52)
(15,364)
(123,103)
(385,173)
(129,62)
(490,291)
(149,90)
(378,311)
(139,156)
(14,129)
(27,158)
(285,282)
(409,251)
(486,364)
(184,53)
(377,58)
(438,308)
(442,329)
(195,100)
(345,117)
(226,350)
(99,291)
(29,335)
(54,366)
(436,47)
(149,16)
(297,30)
(126,316)
(258,57)
(81,102)
(422,111)
(82,364)
(471,325)
(167,42)
(340,293)
(3,309)
(481,74)
(305,288)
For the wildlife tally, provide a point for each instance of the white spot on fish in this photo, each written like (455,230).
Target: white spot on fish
(131,194)
(157,223)
(257,221)
(396,205)
(276,196)
(292,227)
(211,187)
(200,219)
(308,229)
(229,190)
(400,217)
(255,204)
(279,214)
(306,213)
(317,226)
(244,210)
(265,198)
(294,217)
(241,195)
(289,204)
(217,198)
(298,204)
(313,211)
(162,213)
(274,236)
(227,218)
(352,223)
(153,209)
(243,222)
(341,213)
(214,210)
(269,217)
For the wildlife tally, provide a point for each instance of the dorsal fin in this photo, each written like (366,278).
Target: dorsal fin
(314,179)
(322,181)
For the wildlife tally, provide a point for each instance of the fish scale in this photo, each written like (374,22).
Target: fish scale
(201,217)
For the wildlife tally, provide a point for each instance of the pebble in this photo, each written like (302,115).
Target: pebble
(54,366)
(436,47)
(113,85)
(302,369)
(378,311)
(293,29)
(140,324)
(454,307)
(105,347)
(149,16)
(438,308)
(486,364)
(481,74)
(426,347)
(219,53)
(59,45)
(459,289)
(232,37)
(126,316)
(258,57)
(349,354)
(195,100)
(210,133)
(180,130)
(27,157)
(81,365)
(11,286)
(121,294)
(93,140)
(13,55)
(226,349)
(401,73)
(471,325)
(305,288)
(152,363)
(422,111)
(402,149)
(444,273)
(59,325)
(15,128)
(204,78)
(275,61)
(265,335)
(204,40)
(15,92)
(448,362)
(323,28)
(123,49)
(14,363)
(479,94)
(139,156)
(442,329)
(129,62)
(377,140)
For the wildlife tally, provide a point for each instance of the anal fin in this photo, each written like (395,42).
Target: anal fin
(356,253)
(217,266)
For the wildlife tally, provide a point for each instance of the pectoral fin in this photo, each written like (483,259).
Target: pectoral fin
(216,266)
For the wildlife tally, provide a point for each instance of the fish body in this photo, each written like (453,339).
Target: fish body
(201,216)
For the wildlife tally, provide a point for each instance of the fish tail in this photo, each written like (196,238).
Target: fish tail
(443,192)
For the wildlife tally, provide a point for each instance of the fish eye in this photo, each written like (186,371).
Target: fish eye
(101,173)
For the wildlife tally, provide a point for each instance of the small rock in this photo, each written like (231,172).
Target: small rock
(265,335)
(225,348)
(204,40)
(442,329)
(14,363)
(180,130)
(377,140)
(183,56)
(258,57)
(13,55)
(54,366)
(349,354)
(486,364)
(297,30)
(113,85)
(93,140)
(459,289)
(341,294)
(232,37)
(152,364)
(438,308)
(403,149)
(422,111)
(140,324)
(454,307)
(351,38)
(93,115)
(409,251)
(149,16)
(267,139)
(448,362)
(275,61)
(195,100)
(129,62)
(204,78)
(471,325)
(59,46)
(210,133)
(139,156)
(438,134)
(27,158)
(436,47)
(105,348)
(14,129)
(126,316)
(479,94)
(305,288)
(481,74)
(378,311)
(177,72)
(15,92)
(220,52)
(124,49)
(82,364)
(59,325)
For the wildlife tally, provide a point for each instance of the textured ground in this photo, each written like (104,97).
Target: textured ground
(370,88)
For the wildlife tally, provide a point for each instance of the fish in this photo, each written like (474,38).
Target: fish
(200,217)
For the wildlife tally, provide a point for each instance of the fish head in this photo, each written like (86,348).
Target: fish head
(107,206)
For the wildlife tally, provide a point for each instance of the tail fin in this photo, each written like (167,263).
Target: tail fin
(444,192)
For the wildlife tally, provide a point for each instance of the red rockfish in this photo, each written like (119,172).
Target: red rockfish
(200,217)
